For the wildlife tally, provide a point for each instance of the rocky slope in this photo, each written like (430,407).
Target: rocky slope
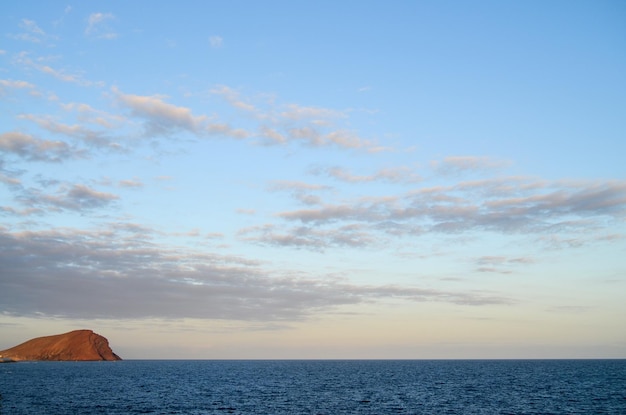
(75,345)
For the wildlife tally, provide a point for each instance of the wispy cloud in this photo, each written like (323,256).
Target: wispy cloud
(89,115)
(501,264)
(289,123)
(458,165)
(59,21)
(131,183)
(295,185)
(98,26)
(216,41)
(505,206)
(7,84)
(499,260)
(304,192)
(31,32)
(400,174)
(317,115)
(67,77)
(233,97)
(568,241)
(24,59)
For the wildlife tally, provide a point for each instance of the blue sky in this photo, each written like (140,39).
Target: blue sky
(315,180)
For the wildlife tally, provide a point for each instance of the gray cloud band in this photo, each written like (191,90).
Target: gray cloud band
(121,273)
(506,205)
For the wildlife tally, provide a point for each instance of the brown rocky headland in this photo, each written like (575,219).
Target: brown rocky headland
(75,345)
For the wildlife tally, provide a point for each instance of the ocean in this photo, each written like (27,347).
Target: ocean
(314,387)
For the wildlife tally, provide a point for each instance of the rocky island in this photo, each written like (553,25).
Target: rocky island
(75,345)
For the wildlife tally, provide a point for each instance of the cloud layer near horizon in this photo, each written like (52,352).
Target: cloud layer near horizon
(122,273)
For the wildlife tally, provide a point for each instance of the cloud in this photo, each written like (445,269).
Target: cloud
(272,134)
(30,148)
(494,270)
(77,131)
(318,115)
(310,125)
(66,77)
(32,32)
(457,165)
(119,272)
(24,59)
(59,21)
(80,197)
(134,183)
(11,211)
(98,26)
(312,238)
(31,26)
(602,198)
(287,123)
(348,139)
(90,115)
(216,41)
(558,242)
(504,206)
(499,260)
(234,98)
(304,192)
(162,118)
(501,264)
(7,84)
(390,175)
(8,176)
(57,74)
(315,136)
(278,185)
(10,180)
(68,197)
(334,213)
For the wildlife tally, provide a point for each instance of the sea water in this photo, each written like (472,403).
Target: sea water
(315,387)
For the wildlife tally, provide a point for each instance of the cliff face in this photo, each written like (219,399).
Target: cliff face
(75,345)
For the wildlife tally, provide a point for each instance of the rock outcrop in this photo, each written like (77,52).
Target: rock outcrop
(75,345)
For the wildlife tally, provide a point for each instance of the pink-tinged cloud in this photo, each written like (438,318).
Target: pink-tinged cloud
(162,118)
(31,148)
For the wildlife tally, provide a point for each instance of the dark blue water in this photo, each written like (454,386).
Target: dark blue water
(315,387)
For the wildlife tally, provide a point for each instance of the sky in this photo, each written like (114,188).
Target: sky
(315,180)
